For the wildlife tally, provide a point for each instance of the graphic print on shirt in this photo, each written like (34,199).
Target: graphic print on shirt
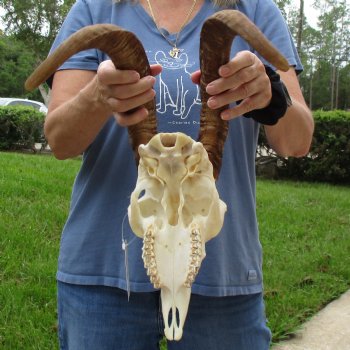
(176,100)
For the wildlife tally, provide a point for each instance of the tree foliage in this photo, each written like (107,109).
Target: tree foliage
(325,54)
(35,22)
(33,25)
(16,63)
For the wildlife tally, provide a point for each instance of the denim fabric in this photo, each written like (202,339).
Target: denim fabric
(101,318)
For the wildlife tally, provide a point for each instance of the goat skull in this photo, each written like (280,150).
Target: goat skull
(176,209)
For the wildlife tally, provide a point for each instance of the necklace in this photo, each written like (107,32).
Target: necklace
(174,52)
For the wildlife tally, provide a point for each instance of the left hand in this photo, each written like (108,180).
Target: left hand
(243,78)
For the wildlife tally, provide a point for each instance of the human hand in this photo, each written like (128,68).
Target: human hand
(125,92)
(243,78)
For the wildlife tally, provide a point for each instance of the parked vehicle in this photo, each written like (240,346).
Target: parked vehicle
(23,102)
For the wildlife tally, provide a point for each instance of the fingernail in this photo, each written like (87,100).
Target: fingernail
(135,76)
(151,79)
(212,103)
(225,116)
(223,71)
(210,88)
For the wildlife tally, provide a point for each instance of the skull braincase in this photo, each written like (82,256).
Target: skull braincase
(176,209)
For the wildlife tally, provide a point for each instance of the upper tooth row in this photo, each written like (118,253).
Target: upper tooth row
(149,257)
(196,257)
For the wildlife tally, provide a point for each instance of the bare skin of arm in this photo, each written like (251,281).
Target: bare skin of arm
(292,135)
(83,101)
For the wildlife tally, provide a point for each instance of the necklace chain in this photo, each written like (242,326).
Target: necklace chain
(174,52)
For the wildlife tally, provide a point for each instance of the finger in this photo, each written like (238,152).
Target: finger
(243,68)
(242,60)
(196,76)
(233,95)
(249,104)
(128,119)
(122,106)
(126,91)
(239,78)
(108,74)
(260,85)
(156,69)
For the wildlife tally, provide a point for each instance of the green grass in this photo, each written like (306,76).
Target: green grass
(304,231)
(34,199)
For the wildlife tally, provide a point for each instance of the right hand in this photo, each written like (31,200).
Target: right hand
(124,91)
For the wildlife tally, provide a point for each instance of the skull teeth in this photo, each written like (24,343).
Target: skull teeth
(156,282)
(195,258)
(149,258)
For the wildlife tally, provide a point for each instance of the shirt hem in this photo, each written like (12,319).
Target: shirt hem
(144,287)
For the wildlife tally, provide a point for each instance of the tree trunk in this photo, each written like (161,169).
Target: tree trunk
(45,94)
(310,93)
(333,78)
(337,90)
(300,26)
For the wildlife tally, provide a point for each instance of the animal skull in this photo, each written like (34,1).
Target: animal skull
(176,209)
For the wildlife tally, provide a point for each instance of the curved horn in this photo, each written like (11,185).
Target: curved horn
(217,35)
(125,51)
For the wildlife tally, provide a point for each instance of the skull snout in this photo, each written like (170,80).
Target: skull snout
(172,329)
(174,309)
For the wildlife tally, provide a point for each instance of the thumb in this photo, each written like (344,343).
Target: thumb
(156,69)
(196,76)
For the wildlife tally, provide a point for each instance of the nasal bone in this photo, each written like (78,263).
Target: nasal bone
(173,331)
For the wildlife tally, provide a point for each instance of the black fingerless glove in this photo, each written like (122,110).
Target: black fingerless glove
(280,101)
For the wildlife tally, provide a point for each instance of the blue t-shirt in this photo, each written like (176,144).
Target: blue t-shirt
(91,245)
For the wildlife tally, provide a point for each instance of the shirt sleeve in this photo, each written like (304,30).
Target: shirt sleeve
(78,17)
(269,19)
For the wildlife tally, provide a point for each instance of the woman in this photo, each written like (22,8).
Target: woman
(92,102)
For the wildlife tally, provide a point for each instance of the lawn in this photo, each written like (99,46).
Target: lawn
(304,231)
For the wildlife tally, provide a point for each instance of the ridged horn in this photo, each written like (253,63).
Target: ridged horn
(125,51)
(217,35)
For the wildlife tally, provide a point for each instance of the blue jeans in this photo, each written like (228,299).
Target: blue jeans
(101,318)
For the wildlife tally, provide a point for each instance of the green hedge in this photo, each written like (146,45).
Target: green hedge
(328,161)
(20,127)
(329,157)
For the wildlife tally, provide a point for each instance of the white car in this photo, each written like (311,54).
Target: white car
(23,102)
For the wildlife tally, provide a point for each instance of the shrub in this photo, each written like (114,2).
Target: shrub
(20,127)
(329,157)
